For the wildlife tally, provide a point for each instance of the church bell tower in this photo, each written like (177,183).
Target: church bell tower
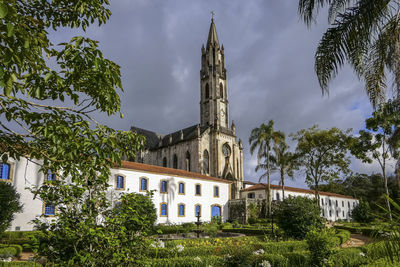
(213,89)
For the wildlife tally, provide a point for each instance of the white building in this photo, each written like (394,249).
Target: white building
(334,206)
(178,194)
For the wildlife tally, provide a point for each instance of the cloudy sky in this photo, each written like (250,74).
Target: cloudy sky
(269,56)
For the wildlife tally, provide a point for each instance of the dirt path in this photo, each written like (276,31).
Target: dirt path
(25,256)
(357,240)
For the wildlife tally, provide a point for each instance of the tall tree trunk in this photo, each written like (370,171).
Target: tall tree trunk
(283,183)
(317,193)
(269,182)
(383,166)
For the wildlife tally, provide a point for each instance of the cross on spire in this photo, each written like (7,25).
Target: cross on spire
(212,14)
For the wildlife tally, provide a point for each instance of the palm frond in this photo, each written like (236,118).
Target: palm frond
(308,9)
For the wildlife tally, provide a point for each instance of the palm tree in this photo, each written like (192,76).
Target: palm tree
(363,33)
(261,138)
(285,163)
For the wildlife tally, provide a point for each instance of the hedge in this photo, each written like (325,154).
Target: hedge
(275,260)
(351,257)
(8,252)
(297,258)
(184,262)
(247,231)
(20,264)
(17,234)
(18,248)
(382,263)
(343,235)
(367,231)
(283,247)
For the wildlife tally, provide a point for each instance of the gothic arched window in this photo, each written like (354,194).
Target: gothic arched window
(206,162)
(221,90)
(207,91)
(175,162)
(164,162)
(188,161)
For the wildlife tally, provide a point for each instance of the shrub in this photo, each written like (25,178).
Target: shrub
(274,260)
(210,229)
(343,235)
(9,205)
(351,257)
(6,252)
(18,248)
(298,215)
(362,212)
(20,263)
(320,244)
(184,261)
(298,258)
(246,231)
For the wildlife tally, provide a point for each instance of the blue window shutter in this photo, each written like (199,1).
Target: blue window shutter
(216,191)
(164,209)
(5,171)
(181,188)
(120,182)
(198,210)
(216,211)
(164,186)
(181,210)
(50,210)
(144,184)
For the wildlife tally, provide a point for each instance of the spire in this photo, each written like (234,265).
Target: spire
(212,35)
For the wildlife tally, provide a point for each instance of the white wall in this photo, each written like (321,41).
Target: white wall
(331,212)
(172,198)
(26,174)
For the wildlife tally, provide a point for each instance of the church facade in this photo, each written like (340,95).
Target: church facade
(211,147)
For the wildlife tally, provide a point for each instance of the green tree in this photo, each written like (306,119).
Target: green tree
(286,163)
(9,202)
(264,138)
(321,245)
(322,154)
(373,144)
(298,215)
(362,212)
(36,77)
(363,33)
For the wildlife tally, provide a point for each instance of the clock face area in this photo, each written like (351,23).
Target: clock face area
(226,150)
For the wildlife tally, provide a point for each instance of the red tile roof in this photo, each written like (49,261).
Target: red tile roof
(262,186)
(162,170)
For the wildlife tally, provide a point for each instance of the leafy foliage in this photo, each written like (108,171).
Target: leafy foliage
(322,154)
(37,77)
(321,245)
(298,215)
(363,33)
(9,205)
(362,212)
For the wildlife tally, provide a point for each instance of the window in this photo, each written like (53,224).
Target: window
(181,210)
(49,210)
(221,90)
(336,203)
(354,204)
(163,209)
(164,162)
(119,182)
(181,188)
(206,162)
(216,191)
(197,210)
(342,203)
(348,204)
(164,187)
(215,211)
(330,213)
(188,161)
(343,214)
(51,176)
(175,162)
(322,201)
(5,171)
(323,213)
(117,204)
(337,213)
(251,195)
(277,196)
(198,190)
(330,203)
(143,184)
(207,91)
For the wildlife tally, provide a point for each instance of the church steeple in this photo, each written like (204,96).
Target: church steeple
(214,102)
(212,36)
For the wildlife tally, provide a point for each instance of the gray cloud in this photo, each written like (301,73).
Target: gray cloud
(269,56)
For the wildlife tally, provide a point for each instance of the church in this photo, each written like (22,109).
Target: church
(211,147)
